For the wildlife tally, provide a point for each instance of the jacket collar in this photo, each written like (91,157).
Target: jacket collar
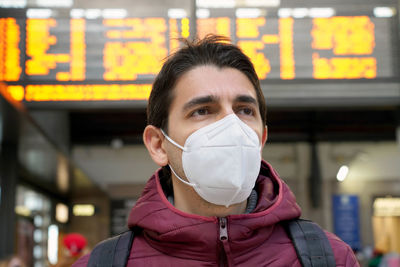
(180,234)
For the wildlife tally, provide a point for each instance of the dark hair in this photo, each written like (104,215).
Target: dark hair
(212,50)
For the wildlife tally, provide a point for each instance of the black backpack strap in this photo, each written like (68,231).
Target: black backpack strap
(311,243)
(112,252)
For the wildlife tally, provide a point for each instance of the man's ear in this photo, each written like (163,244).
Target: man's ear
(153,140)
(264,135)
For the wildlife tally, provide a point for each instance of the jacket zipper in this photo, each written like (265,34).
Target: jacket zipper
(223,229)
(223,237)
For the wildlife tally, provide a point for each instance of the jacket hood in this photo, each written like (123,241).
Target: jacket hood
(184,235)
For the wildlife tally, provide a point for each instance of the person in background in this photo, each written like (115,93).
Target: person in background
(214,201)
(75,245)
(13,261)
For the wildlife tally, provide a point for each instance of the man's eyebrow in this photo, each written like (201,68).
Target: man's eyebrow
(246,99)
(200,100)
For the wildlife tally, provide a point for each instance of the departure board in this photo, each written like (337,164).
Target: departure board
(80,59)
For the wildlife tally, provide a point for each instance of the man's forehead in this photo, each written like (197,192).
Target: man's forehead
(210,84)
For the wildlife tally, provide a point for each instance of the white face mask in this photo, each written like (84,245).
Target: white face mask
(221,161)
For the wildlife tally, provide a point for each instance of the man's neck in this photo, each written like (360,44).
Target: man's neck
(187,200)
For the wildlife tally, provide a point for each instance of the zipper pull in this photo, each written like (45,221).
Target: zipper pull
(223,229)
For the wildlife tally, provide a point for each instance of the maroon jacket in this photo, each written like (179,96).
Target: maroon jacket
(171,237)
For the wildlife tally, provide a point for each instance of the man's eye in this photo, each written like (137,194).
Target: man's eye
(246,111)
(200,112)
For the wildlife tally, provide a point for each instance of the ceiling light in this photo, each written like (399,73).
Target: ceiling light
(83,210)
(284,12)
(342,173)
(62,213)
(248,12)
(114,13)
(177,13)
(262,3)
(13,3)
(300,12)
(52,3)
(93,13)
(77,13)
(202,13)
(321,12)
(384,12)
(39,13)
(216,4)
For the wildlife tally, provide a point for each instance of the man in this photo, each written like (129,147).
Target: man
(214,202)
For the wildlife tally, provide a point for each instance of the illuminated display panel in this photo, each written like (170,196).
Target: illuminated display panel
(10,54)
(77,59)
(137,50)
(92,92)
(320,48)
(351,40)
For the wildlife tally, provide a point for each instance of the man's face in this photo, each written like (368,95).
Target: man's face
(205,95)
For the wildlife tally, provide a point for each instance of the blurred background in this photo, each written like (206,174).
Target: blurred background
(75,76)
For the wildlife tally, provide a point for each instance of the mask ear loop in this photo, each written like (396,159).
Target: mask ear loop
(172,141)
(183,181)
(179,146)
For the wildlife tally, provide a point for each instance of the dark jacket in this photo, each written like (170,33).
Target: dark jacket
(171,237)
